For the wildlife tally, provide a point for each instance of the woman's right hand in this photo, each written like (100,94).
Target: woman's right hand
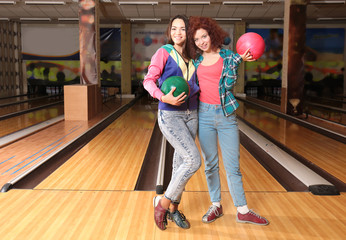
(247,56)
(170,99)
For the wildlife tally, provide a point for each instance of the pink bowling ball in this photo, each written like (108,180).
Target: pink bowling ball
(253,41)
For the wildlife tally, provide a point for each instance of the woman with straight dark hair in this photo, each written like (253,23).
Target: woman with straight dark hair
(177,118)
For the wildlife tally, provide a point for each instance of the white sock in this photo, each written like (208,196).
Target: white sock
(243,209)
(218,204)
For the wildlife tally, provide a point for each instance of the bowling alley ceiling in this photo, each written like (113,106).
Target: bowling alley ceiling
(117,11)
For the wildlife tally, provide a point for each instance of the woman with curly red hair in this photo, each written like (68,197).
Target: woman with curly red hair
(217,74)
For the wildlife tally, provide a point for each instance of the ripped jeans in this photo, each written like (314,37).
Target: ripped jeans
(180,130)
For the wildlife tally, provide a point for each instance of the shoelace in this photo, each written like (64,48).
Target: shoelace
(211,209)
(255,214)
(181,215)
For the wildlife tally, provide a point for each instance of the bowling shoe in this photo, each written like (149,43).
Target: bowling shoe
(212,214)
(251,217)
(160,214)
(179,218)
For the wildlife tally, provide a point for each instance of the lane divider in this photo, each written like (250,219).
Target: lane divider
(315,183)
(10,138)
(161,169)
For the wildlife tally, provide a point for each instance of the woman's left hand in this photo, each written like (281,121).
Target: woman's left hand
(170,99)
(247,57)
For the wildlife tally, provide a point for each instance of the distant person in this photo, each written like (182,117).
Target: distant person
(46,74)
(274,45)
(115,77)
(104,75)
(60,76)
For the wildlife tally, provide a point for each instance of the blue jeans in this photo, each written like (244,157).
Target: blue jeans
(180,130)
(214,127)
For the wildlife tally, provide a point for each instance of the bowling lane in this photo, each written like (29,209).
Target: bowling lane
(27,104)
(16,98)
(113,159)
(255,176)
(17,123)
(322,151)
(26,153)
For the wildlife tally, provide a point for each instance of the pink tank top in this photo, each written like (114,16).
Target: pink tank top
(208,79)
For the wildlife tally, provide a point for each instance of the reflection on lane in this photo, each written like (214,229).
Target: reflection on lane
(20,122)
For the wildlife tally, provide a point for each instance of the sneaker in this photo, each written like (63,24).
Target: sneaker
(179,218)
(212,214)
(160,214)
(251,217)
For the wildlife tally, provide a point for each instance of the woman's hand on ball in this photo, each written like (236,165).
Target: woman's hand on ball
(170,99)
(247,57)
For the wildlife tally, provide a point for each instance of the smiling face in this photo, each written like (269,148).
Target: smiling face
(178,32)
(202,40)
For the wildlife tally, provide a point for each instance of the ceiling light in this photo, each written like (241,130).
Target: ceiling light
(4,19)
(242,2)
(68,19)
(138,3)
(145,19)
(44,3)
(7,2)
(227,19)
(190,3)
(327,2)
(35,19)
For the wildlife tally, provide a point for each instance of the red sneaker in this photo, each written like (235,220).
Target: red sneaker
(212,214)
(160,214)
(251,217)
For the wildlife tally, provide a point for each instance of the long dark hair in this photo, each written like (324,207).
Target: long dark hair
(186,53)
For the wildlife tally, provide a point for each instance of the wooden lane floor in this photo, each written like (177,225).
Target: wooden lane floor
(81,215)
(113,159)
(25,105)
(322,151)
(91,196)
(123,144)
(17,123)
(25,153)
(16,98)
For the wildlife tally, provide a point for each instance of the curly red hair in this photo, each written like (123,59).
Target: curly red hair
(216,33)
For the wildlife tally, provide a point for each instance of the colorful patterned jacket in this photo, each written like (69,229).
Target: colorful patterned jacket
(167,62)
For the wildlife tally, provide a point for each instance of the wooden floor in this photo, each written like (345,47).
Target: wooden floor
(10,125)
(20,156)
(322,151)
(13,124)
(43,214)
(91,196)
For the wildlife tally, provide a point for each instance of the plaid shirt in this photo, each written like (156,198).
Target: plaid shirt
(228,79)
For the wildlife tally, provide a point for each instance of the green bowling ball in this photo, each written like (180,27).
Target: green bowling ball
(178,82)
